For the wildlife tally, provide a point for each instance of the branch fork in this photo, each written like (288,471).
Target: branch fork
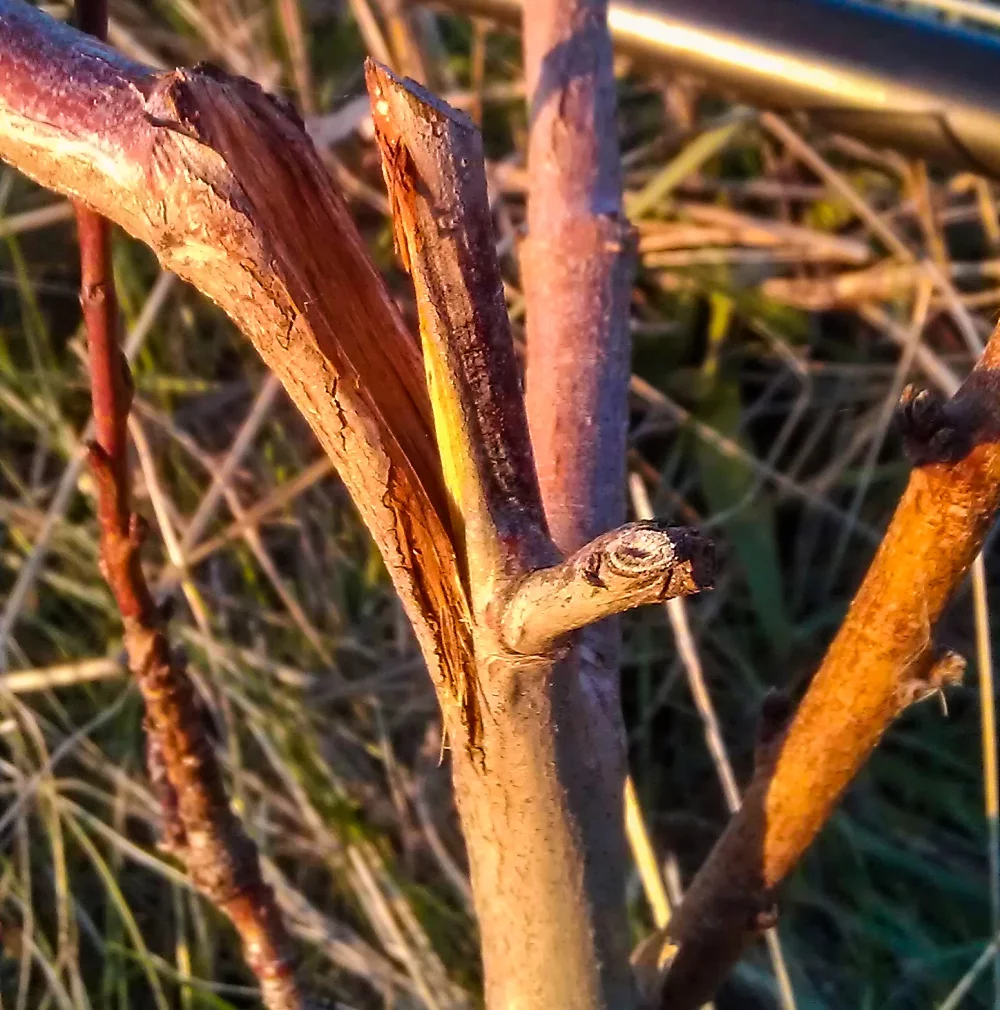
(433,447)
(432,160)
(545,840)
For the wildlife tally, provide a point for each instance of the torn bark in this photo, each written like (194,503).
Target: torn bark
(881,660)
(221,181)
(432,160)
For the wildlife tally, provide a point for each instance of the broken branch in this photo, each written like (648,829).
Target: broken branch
(432,160)
(209,171)
(636,564)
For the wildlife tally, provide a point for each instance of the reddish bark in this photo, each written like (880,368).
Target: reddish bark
(576,281)
(199,826)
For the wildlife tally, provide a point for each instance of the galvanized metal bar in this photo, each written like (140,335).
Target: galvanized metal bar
(892,79)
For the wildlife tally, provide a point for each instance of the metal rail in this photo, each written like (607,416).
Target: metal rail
(896,80)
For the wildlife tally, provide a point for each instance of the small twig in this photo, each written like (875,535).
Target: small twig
(22,587)
(200,826)
(634,565)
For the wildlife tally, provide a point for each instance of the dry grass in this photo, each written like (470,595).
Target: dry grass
(764,420)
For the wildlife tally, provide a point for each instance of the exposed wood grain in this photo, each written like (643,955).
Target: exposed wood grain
(222,182)
(432,160)
(536,827)
(634,565)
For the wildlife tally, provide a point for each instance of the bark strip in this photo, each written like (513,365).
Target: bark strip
(432,160)
(222,182)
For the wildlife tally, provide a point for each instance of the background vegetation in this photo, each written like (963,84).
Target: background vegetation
(762,411)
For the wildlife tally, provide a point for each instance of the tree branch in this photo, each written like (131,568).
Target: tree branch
(634,565)
(199,825)
(881,660)
(222,182)
(576,281)
(432,160)
(541,802)
(576,275)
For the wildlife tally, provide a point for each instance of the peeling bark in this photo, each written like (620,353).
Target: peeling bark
(221,181)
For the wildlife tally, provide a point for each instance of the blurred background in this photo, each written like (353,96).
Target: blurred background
(790,281)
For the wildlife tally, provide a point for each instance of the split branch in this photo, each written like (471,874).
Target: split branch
(881,660)
(222,182)
(634,565)
(541,800)
(432,160)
